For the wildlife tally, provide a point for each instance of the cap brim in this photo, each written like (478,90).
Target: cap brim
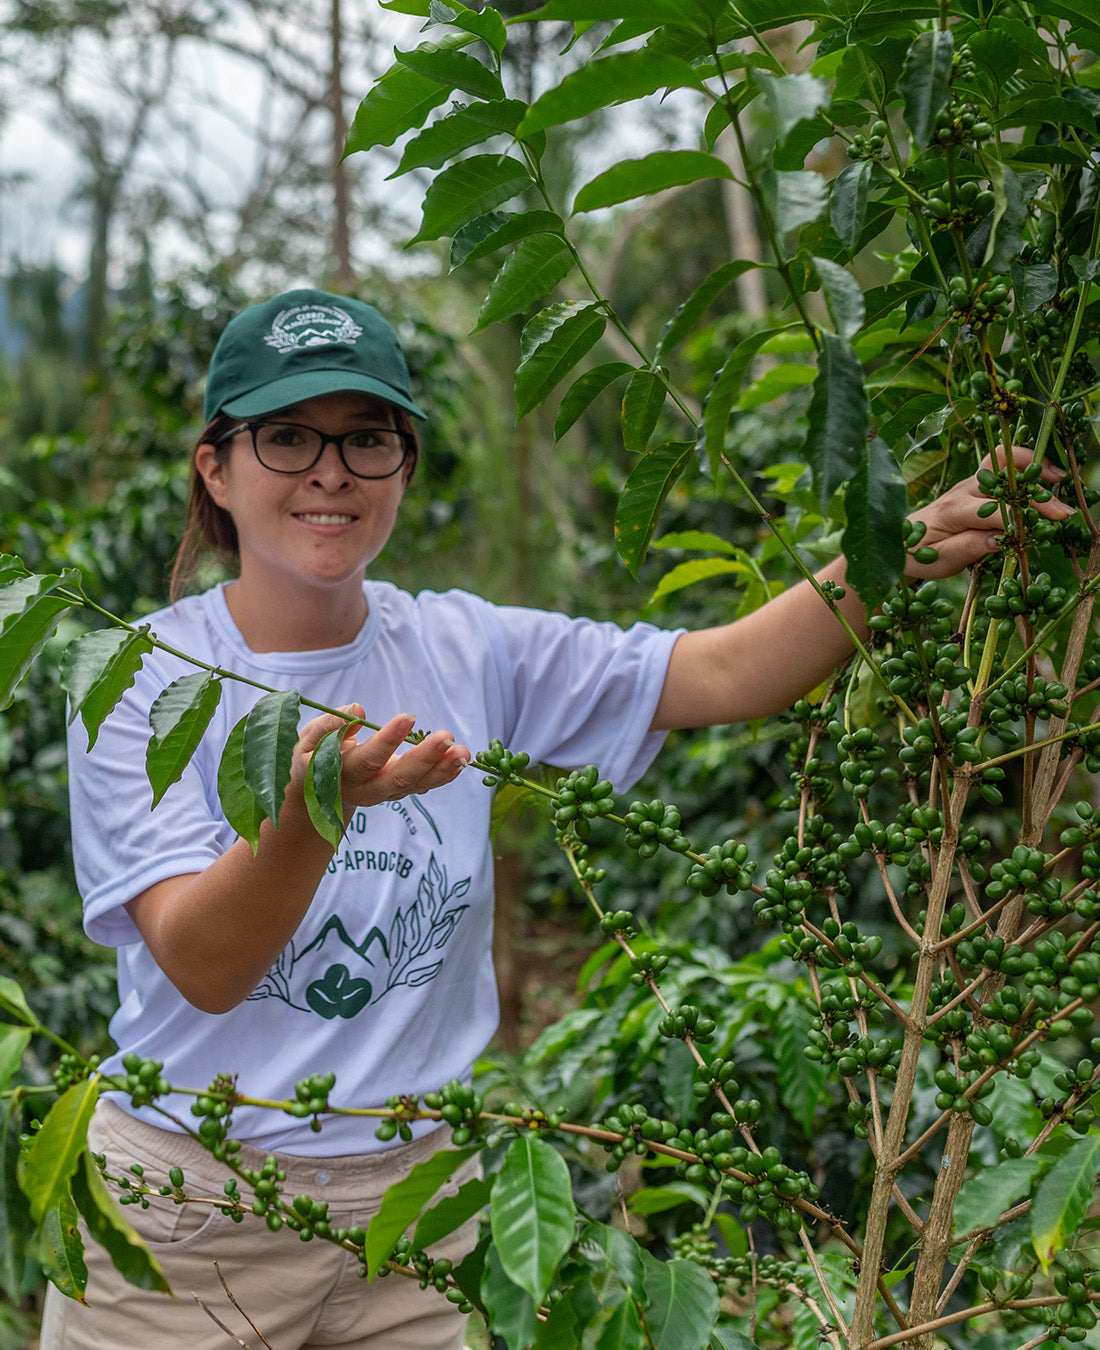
(279,394)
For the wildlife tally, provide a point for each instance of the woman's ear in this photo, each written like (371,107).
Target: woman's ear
(210,464)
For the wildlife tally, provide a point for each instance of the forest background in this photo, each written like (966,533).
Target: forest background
(99,403)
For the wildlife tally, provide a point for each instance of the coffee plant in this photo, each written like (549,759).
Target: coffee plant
(879,1129)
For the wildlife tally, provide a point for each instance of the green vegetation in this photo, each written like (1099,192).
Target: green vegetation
(836,1058)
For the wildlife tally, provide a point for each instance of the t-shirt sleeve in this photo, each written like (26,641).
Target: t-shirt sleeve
(585,692)
(121,845)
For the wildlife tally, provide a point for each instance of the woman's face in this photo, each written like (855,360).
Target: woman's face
(321,528)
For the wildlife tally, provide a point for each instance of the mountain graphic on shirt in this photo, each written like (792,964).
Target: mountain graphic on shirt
(333,976)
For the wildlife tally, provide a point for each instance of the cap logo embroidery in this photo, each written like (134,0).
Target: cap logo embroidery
(304,326)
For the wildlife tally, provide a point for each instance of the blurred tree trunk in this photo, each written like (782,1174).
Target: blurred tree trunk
(341,239)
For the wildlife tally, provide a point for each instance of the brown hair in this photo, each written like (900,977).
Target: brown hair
(209,528)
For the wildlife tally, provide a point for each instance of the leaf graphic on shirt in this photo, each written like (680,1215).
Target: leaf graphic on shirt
(427,925)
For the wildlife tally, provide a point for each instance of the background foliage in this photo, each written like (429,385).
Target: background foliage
(858,256)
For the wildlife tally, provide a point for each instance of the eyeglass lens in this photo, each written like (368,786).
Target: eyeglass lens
(368,452)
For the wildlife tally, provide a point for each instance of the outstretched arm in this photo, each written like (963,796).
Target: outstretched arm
(216,933)
(760,664)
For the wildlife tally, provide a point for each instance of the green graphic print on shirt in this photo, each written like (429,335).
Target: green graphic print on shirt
(335,976)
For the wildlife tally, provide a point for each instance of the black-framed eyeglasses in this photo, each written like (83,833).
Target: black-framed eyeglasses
(289,447)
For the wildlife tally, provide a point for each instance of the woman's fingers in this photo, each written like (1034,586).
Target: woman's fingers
(957,530)
(374,771)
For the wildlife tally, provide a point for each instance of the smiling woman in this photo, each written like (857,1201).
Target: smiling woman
(373,961)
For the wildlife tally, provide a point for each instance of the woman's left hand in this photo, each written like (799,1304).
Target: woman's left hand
(959,534)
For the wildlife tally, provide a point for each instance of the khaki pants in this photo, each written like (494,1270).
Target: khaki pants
(300,1295)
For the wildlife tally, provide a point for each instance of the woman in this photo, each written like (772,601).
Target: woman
(371,960)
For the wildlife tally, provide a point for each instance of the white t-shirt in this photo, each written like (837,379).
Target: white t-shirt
(388,981)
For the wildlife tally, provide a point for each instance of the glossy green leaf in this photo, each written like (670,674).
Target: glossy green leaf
(29,615)
(14,1001)
(682,1305)
(396,103)
(107,1225)
(16,1224)
(13,1046)
(486,23)
(553,342)
(452,1212)
(532,1214)
(642,403)
(55,1150)
(179,717)
(1033,285)
(642,497)
(488,233)
(321,788)
(453,69)
(531,271)
(698,570)
(1062,1198)
(618,78)
(687,315)
(848,202)
(729,1338)
(799,196)
(238,801)
(843,296)
(467,189)
(986,1195)
(619,1252)
(61,1250)
(618,1327)
(267,750)
(97,669)
(404,1201)
(449,136)
(792,99)
(838,418)
(696,539)
(801,1080)
(660,1199)
(643,177)
(723,392)
(1009,217)
(512,1311)
(578,397)
(873,540)
(925,82)
(776,382)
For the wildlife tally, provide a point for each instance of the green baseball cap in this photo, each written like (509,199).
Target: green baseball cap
(301,344)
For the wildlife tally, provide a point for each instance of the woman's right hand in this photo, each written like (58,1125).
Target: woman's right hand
(373,771)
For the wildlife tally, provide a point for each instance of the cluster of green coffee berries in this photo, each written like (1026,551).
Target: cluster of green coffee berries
(1028,872)
(144,1081)
(267,1186)
(723,865)
(871,145)
(772,1190)
(976,307)
(214,1108)
(687,1023)
(581,796)
(653,825)
(1039,598)
(1018,697)
(505,765)
(961,123)
(71,1069)
(1079,1285)
(406,1109)
(460,1106)
(435,1274)
(311,1097)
